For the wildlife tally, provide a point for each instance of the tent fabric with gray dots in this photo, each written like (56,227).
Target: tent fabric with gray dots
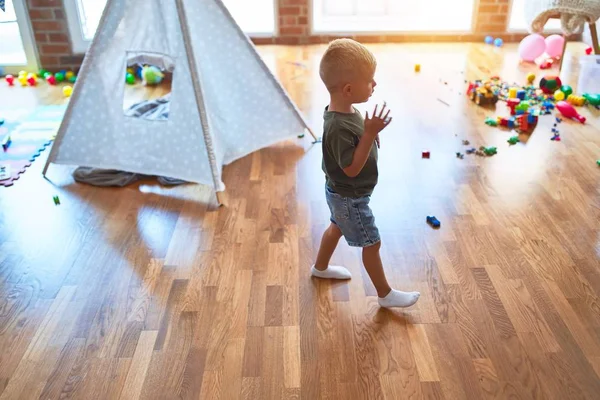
(224,102)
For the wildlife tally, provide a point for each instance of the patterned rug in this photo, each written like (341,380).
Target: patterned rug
(30,132)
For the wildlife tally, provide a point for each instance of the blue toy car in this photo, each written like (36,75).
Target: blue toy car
(433,221)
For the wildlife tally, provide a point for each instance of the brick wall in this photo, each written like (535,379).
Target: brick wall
(49,23)
(51,31)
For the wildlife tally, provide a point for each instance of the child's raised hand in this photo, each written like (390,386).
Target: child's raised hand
(377,122)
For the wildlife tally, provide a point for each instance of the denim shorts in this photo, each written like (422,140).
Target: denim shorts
(354,218)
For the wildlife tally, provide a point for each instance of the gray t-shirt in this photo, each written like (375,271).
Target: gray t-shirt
(341,134)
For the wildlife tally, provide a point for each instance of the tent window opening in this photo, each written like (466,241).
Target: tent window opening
(148,79)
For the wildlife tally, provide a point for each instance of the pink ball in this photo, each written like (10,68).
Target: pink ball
(554,45)
(531,47)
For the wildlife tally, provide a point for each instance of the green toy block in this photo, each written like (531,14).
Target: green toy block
(491,121)
(513,140)
(490,151)
(522,106)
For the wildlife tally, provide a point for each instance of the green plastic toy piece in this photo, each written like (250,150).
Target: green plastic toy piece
(513,140)
(593,99)
(490,151)
(598,162)
(491,121)
(56,200)
(567,90)
(522,106)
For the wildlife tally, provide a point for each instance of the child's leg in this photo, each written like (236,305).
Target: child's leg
(388,297)
(374,267)
(329,242)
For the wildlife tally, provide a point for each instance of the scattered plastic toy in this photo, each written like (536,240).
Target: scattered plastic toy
(56,200)
(433,221)
(598,162)
(425,154)
(569,111)
(530,78)
(489,151)
(556,137)
(466,142)
(513,140)
(10,80)
(491,121)
(417,67)
(471,150)
(576,100)
(6,142)
(460,155)
(592,99)
(550,83)
(589,50)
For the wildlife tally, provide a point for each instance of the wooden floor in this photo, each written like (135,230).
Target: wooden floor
(148,292)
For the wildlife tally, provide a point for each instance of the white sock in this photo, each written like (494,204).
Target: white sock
(397,298)
(332,272)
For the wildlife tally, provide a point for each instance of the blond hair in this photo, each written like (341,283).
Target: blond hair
(343,61)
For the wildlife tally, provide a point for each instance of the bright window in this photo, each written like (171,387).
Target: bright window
(349,16)
(12,51)
(17,48)
(256,18)
(518,22)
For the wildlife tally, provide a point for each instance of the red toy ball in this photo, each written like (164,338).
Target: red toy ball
(32,81)
(588,51)
(51,79)
(10,80)
(550,84)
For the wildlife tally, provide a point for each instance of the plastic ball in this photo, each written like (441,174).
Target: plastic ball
(559,95)
(130,71)
(73,79)
(549,84)
(530,77)
(10,80)
(152,75)
(129,78)
(67,91)
(531,47)
(489,40)
(42,72)
(69,74)
(47,74)
(59,76)
(31,80)
(51,80)
(589,50)
(22,73)
(498,42)
(566,89)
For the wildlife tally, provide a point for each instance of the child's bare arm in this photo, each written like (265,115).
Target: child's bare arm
(373,126)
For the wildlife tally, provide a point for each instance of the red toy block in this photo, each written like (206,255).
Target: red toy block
(512,103)
(425,154)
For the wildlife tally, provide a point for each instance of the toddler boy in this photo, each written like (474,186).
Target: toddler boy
(350,164)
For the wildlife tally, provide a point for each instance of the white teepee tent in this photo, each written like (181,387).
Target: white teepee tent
(224,102)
